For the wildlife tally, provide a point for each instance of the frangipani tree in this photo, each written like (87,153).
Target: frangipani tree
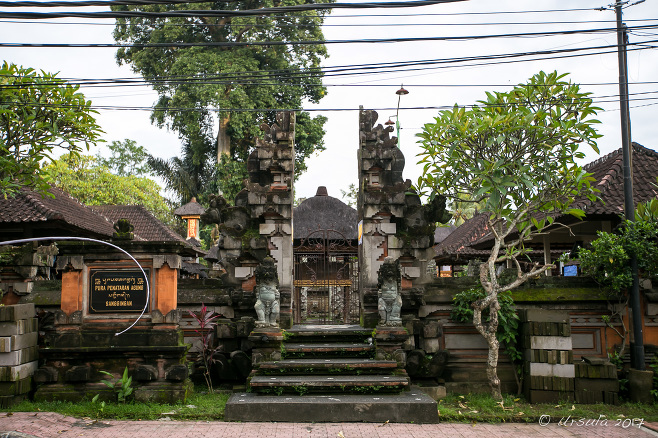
(515,154)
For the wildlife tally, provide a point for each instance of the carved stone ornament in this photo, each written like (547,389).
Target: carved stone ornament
(124,230)
(390,301)
(267,294)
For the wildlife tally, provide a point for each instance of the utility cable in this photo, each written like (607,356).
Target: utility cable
(320,42)
(224,12)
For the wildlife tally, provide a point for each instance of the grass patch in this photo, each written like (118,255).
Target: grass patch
(200,406)
(482,408)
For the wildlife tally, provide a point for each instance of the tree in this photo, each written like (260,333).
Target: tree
(93,184)
(350,195)
(515,154)
(607,261)
(127,158)
(198,86)
(187,176)
(39,113)
(463,209)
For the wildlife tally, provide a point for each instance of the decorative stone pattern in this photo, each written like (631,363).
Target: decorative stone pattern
(18,352)
(260,222)
(27,264)
(267,294)
(389,302)
(152,350)
(394,222)
(548,368)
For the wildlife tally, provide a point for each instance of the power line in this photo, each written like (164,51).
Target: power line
(452,14)
(594,100)
(370,69)
(451,24)
(265,77)
(87,3)
(224,12)
(317,42)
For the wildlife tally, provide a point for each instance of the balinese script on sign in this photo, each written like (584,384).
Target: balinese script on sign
(118,290)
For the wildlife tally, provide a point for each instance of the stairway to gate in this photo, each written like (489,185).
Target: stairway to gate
(330,374)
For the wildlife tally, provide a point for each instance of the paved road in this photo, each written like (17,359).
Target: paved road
(48,424)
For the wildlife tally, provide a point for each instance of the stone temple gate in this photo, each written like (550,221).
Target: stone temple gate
(319,278)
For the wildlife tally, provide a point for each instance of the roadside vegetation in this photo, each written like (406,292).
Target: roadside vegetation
(200,406)
(482,408)
(471,408)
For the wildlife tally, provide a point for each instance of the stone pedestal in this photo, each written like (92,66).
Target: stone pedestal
(389,342)
(267,342)
(640,383)
(103,293)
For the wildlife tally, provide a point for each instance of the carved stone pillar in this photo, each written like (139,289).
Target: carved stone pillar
(393,221)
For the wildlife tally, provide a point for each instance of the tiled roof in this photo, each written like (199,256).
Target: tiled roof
(609,175)
(459,241)
(147,226)
(609,179)
(29,207)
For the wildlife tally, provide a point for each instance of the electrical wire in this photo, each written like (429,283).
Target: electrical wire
(312,24)
(254,78)
(612,98)
(87,3)
(224,12)
(317,42)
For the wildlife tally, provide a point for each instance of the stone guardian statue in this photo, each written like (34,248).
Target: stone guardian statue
(390,300)
(267,294)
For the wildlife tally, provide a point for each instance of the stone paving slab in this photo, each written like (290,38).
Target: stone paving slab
(407,407)
(48,425)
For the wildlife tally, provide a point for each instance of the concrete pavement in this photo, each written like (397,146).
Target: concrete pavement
(48,424)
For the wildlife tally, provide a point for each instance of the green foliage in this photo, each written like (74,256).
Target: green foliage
(39,113)
(211,79)
(126,158)
(350,195)
(607,260)
(482,408)
(122,386)
(94,184)
(301,390)
(187,176)
(101,406)
(230,175)
(515,153)
(508,320)
(199,406)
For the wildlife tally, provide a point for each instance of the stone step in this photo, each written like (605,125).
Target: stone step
(337,333)
(328,366)
(302,384)
(407,407)
(327,349)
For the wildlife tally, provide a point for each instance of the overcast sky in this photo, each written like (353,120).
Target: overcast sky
(458,83)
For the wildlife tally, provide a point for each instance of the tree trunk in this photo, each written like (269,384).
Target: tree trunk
(489,334)
(223,140)
(492,365)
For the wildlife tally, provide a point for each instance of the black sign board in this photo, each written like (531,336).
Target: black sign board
(116,290)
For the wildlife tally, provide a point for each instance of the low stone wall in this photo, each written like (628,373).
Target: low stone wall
(18,352)
(426,316)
